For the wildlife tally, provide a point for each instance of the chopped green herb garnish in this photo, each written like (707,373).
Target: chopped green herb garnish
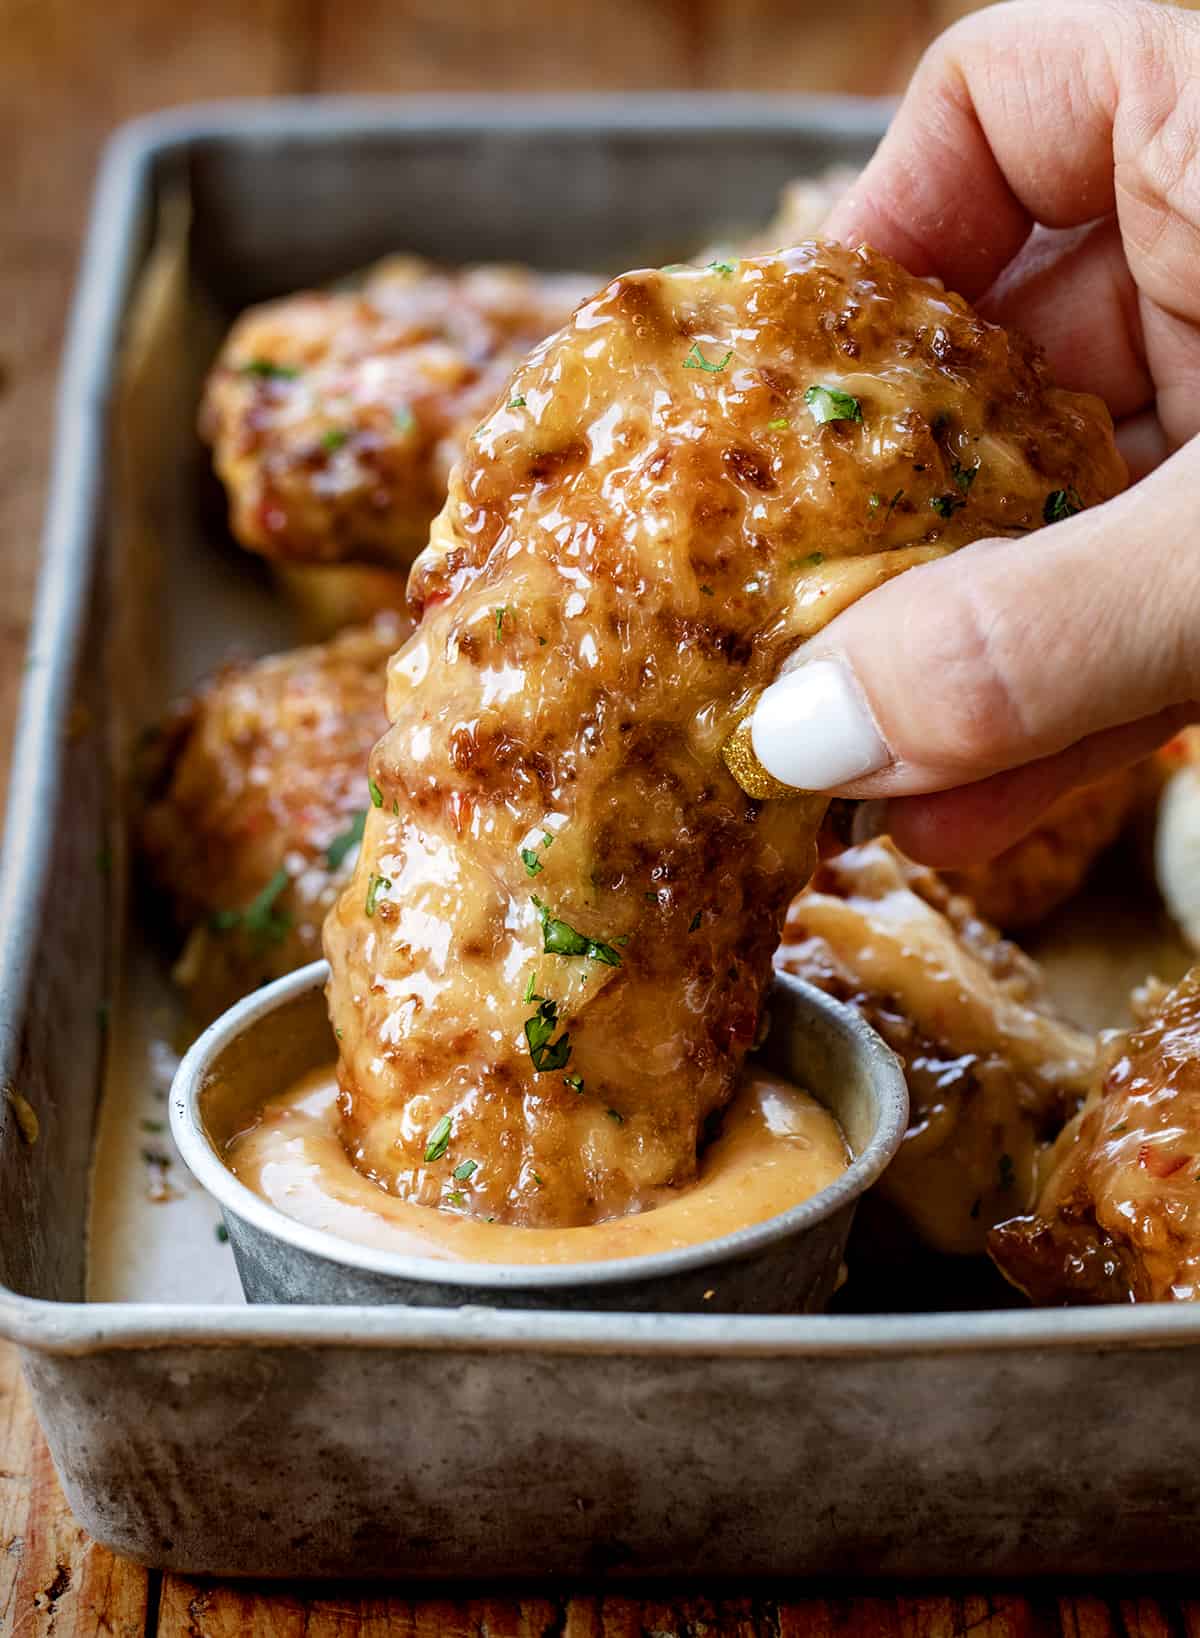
(268,371)
(892,504)
(457,1198)
(222,1234)
(376,886)
(874,502)
(531,861)
(1007,1171)
(696,360)
(337,850)
(516,403)
(545,1053)
(650,898)
(259,917)
(946,505)
(828,404)
(339,1032)
(334,439)
(547,838)
(815,558)
(708,591)
(403,419)
(540,1181)
(439,1140)
(529,989)
(376,793)
(725,269)
(695,922)
(153,1126)
(1061,504)
(613,1114)
(781,425)
(575,1082)
(542,642)
(500,613)
(465,1169)
(964,476)
(558,938)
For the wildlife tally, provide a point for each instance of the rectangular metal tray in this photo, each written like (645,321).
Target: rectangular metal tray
(470,1443)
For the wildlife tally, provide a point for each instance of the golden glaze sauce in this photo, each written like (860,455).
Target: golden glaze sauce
(777,1147)
(564,903)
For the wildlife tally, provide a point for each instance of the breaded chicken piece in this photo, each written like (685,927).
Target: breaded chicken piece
(552,958)
(992,1072)
(1118,1219)
(335,416)
(1022,885)
(257,788)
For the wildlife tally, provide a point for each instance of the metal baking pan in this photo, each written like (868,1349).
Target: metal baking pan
(469,1442)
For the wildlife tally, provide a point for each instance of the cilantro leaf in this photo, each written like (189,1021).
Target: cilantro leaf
(830,404)
(696,360)
(559,938)
(1061,504)
(439,1140)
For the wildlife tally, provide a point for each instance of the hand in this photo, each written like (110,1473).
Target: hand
(1045,163)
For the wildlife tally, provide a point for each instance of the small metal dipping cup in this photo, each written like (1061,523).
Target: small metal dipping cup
(788,1263)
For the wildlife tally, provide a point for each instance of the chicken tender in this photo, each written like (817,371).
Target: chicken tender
(335,417)
(1022,885)
(992,1072)
(1118,1219)
(257,789)
(551,960)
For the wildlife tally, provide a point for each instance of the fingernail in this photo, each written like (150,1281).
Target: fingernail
(812,729)
(870,822)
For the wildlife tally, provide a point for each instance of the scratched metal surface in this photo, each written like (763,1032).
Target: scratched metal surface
(472,1442)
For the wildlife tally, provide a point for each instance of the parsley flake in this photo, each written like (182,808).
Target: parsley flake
(1007,1172)
(725,269)
(376,886)
(260,919)
(946,505)
(533,865)
(222,1234)
(545,1053)
(337,850)
(829,404)
(457,1198)
(964,476)
(500,613)
(376,793)
(439,1140)
(696,360)
(614,1114)
(334,439)
(575,1082)
(266,370)
(516,403)
(559,938)
(529,989)
(464,1170)
(779,425)
(695,924)
(1061,504)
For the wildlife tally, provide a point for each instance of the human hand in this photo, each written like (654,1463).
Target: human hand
(1046,164)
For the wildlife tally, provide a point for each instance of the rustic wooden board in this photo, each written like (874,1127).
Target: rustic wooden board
(68,73)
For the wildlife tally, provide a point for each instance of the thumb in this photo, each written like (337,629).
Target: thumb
(1008,653)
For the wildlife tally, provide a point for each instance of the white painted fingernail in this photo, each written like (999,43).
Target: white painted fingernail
(813,729)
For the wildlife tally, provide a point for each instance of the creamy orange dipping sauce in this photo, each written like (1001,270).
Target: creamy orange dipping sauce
(777,1147)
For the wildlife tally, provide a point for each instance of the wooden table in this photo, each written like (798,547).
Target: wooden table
(69,71)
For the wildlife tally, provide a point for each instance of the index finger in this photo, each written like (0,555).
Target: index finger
(1009,121)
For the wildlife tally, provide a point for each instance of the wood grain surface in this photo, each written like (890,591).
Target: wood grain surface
(69,71)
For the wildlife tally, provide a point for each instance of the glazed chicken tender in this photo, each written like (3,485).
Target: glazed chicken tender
(992,1072)
(257,792)
(1119,1217)
(335,416)
(551,960)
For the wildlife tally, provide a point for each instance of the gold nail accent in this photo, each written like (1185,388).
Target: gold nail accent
(738,752)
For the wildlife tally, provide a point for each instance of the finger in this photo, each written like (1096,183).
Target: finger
(1071,291)
(1003,653)
(1143,444)
(1030,113)
(959,827)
